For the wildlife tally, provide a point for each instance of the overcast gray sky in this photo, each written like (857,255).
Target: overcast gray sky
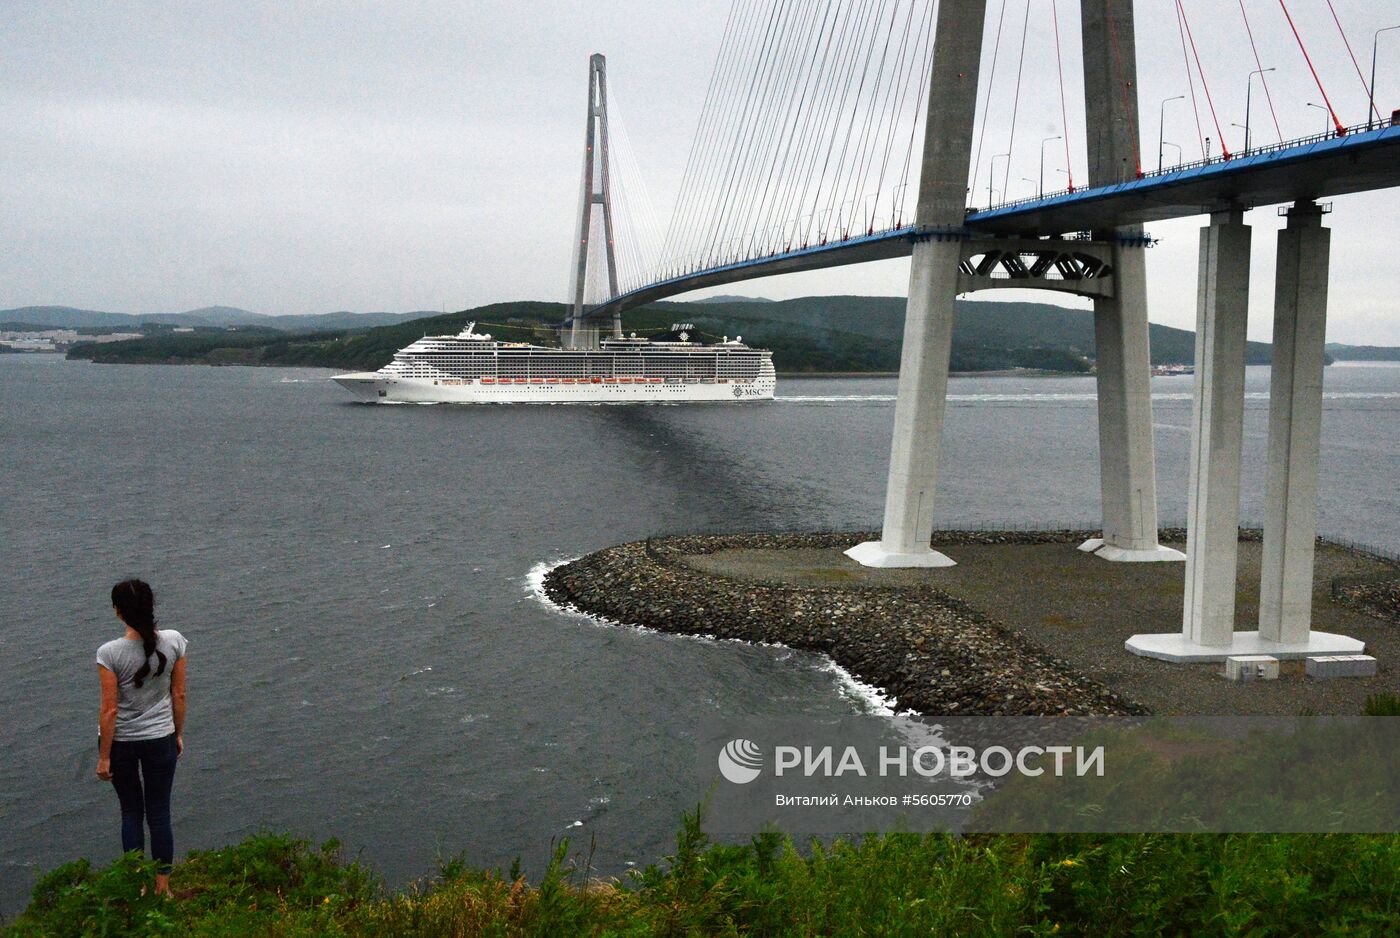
(309,157)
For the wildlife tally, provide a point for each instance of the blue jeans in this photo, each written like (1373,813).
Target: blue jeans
(143,771)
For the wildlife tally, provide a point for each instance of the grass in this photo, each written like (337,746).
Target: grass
(1382,705)
(894,884)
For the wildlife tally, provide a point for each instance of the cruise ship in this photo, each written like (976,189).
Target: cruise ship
(471,367)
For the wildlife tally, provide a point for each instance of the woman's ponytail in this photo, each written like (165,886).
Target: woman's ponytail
(135,603)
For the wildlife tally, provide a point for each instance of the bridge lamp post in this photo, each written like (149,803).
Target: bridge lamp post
(1375,39)
(1031,181)
(1040,189)
(1162,125)
(1326,118)
(1168,143)
(1249,87)
(991,174)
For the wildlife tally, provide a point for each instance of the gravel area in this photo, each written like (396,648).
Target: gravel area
(933,652)
(1078,609)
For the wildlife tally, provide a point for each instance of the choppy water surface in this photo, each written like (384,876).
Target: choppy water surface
(367,657)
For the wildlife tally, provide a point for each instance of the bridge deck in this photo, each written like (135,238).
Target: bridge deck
(1316,168)
(1313,168)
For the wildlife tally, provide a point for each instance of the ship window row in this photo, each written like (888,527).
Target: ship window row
(425,370)
(577,366)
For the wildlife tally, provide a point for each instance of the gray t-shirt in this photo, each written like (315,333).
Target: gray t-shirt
(143,712)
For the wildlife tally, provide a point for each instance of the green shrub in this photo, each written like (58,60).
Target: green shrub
(894,884)
(74,900)
(1382,705)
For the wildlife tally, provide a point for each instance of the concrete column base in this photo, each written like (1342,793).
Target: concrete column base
(1178,649)
(875,554)
(1158,554)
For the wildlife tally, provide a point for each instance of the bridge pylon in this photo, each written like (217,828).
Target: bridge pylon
(596,190)
(1123,371)
(933,286)
(948,260)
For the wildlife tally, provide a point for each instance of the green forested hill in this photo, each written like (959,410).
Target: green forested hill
(810,334)
(1363,353)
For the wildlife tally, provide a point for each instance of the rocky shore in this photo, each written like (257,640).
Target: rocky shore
(932,652)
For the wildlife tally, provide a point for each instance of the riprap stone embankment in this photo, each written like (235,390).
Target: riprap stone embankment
(929,650)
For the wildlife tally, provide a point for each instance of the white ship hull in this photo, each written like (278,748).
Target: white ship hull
(473,368)
(378,387)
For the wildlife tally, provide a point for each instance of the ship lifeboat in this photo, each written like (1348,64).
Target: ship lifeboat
(551,380)
(610,381)
(597,380)
(537,381)
(488,380)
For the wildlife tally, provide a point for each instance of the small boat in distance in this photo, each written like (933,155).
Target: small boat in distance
(1169,370)
(472,367)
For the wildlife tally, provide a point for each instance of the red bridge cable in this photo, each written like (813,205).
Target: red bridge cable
(1190,83)
(1264,79)
(1125,88)
(1341,129)
(1354,64)
(1064,112)
(1224,149)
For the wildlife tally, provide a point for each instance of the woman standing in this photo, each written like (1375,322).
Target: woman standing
(143,716)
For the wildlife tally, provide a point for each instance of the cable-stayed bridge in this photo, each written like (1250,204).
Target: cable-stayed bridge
(842,132)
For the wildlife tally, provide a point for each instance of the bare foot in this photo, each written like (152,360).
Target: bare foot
(163,886)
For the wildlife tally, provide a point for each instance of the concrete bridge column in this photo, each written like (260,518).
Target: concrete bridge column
(1217,430)
(1127,474)
(1295,419)
(1127,470)
(933,280)
(918,414)
(1295,426)
(1217,443)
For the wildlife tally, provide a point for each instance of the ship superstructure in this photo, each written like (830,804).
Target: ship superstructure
(472,367)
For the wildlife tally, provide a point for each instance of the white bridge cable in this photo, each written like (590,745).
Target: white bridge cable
(817,160)
(720,77)
(799,139)
(637,232)
(750,42)
(786,133)
(756,128)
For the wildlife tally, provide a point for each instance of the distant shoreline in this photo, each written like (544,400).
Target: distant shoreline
(1001,373)
(995,373)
